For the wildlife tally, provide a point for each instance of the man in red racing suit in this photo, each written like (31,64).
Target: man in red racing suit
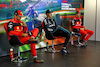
(78,26)
(19,28)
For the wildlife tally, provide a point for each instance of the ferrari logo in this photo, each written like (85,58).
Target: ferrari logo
(20,12)
(77,22)
(17,27)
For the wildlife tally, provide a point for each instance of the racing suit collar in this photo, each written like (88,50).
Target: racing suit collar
(17,21)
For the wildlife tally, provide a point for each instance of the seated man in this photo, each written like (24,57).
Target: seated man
(51,28)
(19,28)
(78,26)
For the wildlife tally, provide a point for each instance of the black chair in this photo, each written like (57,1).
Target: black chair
(49,36)
(76,34)
(15,42)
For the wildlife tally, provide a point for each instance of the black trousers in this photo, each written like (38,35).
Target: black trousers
(60,31)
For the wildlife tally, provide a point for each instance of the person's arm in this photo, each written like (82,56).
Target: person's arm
(25,28)
(56,24)
(24,24)
(73,23)
(85,28)
(82,25)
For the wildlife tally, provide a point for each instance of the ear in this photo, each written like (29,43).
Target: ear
(14,15)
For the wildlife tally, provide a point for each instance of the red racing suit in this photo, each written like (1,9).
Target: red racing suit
(16,27)
(77,24)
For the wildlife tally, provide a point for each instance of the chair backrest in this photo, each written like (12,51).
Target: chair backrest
(42,25)
(14,40)
(6,28)
(70,22)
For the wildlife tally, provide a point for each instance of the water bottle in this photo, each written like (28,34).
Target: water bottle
(47,46)
(72,41)
(11,53)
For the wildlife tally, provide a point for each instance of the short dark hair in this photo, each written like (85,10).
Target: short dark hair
(48,11)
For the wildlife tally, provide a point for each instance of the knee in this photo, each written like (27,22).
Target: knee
(36,29)
(68,35)
(92,32)
(83,32)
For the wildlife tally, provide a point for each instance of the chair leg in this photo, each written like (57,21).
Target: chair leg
(79,44)
(72,42)
(78,39)
(53,46)
(19,58)
(18,54)
(52,50)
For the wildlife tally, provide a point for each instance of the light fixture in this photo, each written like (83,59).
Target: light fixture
(22,0)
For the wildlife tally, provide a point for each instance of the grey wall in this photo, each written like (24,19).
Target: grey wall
(98,21)
(90,16)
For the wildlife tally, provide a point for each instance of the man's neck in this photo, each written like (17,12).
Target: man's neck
(49,17)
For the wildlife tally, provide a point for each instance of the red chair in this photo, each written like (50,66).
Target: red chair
(76,35)
(15,42)
(49,36)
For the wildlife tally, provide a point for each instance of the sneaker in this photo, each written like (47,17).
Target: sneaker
(84,44)
(79,44)
(31,40)
(37,60)
(24,59)
(64,50)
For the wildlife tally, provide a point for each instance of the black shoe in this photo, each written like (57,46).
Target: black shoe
(64,50)
(37,60)
(84,44)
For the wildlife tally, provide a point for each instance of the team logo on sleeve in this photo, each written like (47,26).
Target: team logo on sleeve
(10,25)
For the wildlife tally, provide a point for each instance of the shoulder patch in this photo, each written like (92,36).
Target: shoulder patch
(10,25)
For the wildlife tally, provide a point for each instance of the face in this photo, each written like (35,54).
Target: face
(78,15)
(49,15)
(18,17)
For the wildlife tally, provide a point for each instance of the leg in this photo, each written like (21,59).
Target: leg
(25,40)
(35,32)
(34,35)
(90,33)
(84,33)
(34,53)
(64,33)
(33,50)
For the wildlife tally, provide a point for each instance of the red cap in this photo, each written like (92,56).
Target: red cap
(18,12)
(78,11)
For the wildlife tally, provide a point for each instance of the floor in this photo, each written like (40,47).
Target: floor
(80,57)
